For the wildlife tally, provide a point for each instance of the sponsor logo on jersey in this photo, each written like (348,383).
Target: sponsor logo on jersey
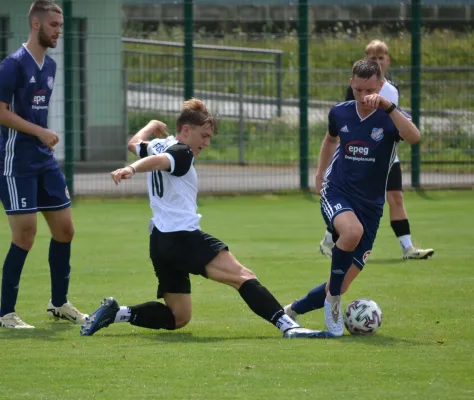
(358,151)
(357,148)
(39,100)
(50,82)
(377,134)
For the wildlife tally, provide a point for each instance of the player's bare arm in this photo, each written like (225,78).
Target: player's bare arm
(407,129)
(326,153)
(12,120)
(153,128)
(157,162)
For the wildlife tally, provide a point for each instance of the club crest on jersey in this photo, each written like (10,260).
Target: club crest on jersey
(377,134)
(366,255)
(50,82)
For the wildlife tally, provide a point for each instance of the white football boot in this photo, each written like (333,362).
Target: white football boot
(291,313)
(68,312)
(413,253)
(325,248)
(333,315)
(13,321)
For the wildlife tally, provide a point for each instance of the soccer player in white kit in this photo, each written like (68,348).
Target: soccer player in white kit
(378,51)
(178,247)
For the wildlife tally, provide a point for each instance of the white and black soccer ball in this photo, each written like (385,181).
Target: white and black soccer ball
(362,317)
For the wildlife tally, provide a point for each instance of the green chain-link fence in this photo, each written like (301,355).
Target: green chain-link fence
(126,64)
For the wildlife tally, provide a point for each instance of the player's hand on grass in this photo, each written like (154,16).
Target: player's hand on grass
(376,101)
(49,138)
(122,173)
(158,128)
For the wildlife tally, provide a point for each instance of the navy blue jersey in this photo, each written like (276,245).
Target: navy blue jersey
(362,161)
(26,87)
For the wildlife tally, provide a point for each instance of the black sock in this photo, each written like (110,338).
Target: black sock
(400,227)
(12,268)
(261,301)
(60,269)
(340,264)
(152,315)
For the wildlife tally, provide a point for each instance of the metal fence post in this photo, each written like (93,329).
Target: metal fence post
(303,90)
(241,118)
(68,97)
(188,50)
(415,86)
(279,83)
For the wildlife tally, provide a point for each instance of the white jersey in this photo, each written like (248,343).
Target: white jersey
(390,92)
(173,193)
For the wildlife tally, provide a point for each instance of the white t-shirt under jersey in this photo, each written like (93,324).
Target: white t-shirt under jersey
(390,92)
(173,193)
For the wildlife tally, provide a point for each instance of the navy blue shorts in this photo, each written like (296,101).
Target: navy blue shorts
(334,203)
(46,191)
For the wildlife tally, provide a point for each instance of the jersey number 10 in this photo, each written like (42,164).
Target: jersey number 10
(157,183)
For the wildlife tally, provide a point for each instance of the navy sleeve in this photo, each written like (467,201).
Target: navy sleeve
(332,128)
(9,78)
(183,158)
(143,149)
(350,94)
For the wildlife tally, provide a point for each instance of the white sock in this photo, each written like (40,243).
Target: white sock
(328,237)
(285,322)
(123,314)
(405,241)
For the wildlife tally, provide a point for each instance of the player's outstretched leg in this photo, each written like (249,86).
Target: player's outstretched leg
(100,318)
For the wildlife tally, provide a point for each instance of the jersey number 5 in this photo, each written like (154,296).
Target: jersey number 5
(157,183)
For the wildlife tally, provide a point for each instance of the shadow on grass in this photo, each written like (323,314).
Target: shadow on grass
(386,261)
(49,331)
(188,337)
(379,340)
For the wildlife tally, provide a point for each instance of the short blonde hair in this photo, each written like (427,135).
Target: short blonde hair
(196,113)
(376,47)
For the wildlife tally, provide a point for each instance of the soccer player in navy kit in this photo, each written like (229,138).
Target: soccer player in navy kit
(30,178)
(378,51)
(357,154)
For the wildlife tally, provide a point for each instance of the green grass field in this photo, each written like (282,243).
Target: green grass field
(424,349)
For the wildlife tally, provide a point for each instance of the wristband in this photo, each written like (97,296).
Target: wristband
(133,168)
(391,108)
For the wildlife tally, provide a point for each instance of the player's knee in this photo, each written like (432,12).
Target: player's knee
(182,318)
(25,237)
(247,274)
(65,234)
(352,234)
(395,198)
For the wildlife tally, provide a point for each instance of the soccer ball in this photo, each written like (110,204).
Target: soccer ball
(362,317)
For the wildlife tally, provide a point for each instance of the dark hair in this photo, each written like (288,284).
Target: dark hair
(366,69)
(41,7)
(195,113)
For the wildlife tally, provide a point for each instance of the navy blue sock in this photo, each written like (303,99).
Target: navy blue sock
(314,300)
(340,263)
(59,257)
(11,278)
